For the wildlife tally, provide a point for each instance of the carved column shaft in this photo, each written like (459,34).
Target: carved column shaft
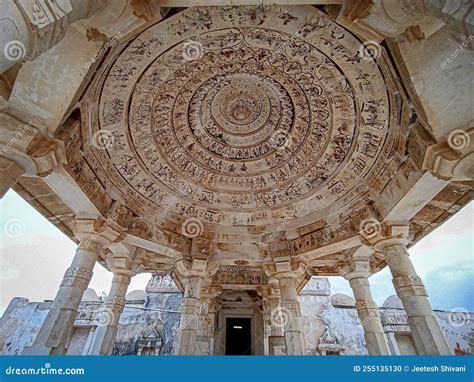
(56,329)
(189,316)
(106,332)
(369,316)
(429,338)
(291,312)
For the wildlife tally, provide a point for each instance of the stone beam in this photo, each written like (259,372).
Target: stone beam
(431,70)
(10,172)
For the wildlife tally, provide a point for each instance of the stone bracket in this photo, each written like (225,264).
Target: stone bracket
(452,160)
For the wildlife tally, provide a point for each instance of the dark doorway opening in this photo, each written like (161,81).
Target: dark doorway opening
(237,336)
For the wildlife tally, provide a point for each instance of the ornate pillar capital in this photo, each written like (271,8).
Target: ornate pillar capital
(452,159)
(94,234)
(25,144)
(199,268)
(359,264)
(284,265)
(121,260)
(386,235)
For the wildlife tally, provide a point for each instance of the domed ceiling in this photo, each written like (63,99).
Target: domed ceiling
(245,120)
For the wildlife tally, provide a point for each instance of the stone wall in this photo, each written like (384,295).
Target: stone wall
(150,322)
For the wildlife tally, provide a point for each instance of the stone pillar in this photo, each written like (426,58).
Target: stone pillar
(290,273)
(369,315)
(120,262)
(358,277)
(429,338)
(57,327)
(206,325)
(88,344)
(192,273)
(189,316)
(294,337)
(106,332)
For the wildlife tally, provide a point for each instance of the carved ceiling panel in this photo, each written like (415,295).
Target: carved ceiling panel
(250,119)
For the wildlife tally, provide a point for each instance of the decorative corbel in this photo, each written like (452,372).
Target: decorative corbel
(453,159)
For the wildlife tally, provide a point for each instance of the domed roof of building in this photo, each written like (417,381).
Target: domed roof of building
(393,302)
(341,299)
(136,295)
(238,121)
(90,295)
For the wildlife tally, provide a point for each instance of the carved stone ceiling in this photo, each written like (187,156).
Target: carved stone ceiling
(246,119)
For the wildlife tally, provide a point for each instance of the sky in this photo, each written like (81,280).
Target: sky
(34,255)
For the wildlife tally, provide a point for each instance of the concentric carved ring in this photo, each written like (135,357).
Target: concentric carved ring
(275,120)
